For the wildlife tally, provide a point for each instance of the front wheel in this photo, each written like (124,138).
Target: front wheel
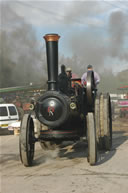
(26,140)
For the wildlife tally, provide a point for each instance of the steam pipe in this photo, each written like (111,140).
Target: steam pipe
(52,59)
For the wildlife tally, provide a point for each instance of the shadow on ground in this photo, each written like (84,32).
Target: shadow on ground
(119,137)
(70,150)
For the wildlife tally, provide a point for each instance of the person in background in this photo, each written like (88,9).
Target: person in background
(69,72)
(63,80)
(69,75)
(84,76)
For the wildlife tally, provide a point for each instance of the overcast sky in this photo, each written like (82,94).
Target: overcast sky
(97,31)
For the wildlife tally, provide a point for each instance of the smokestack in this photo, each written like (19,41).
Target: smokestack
(52,59)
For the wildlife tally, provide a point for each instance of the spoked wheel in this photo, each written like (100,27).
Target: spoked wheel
(26,140)
(106,121)
(92,145)
(90,87)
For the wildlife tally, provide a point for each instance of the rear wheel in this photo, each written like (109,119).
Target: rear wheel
(97,122)
(26,140)
(105,122)
(92,145)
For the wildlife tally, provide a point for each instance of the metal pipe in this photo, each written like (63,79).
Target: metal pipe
(52,59)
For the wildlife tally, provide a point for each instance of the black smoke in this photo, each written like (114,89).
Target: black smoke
(21,60)
(95,44)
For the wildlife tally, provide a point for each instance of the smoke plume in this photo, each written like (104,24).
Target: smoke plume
(117,31)
(95,44)
(21,59)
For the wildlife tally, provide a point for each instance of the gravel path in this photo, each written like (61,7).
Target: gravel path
(66,170)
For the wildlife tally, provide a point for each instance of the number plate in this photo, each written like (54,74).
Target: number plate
(4,125)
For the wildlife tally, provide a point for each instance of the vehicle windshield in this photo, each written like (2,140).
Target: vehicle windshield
(12,110)
(3,111)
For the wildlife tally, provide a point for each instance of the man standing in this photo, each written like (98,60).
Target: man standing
(63,80)
(84,76)
(69,75)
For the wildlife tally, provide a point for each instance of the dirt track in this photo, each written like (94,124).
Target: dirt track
(66,170)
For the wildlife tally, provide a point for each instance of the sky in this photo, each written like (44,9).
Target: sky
(96,31)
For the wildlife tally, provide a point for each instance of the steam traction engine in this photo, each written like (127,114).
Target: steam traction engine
(79,113)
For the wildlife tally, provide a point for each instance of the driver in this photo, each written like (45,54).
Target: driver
(84,76)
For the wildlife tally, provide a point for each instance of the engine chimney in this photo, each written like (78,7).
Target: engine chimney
(52,59)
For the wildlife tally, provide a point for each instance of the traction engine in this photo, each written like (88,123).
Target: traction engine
(79,113)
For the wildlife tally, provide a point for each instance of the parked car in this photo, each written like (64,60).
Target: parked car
(8,115)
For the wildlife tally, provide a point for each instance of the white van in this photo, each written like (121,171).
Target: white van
(8,114)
